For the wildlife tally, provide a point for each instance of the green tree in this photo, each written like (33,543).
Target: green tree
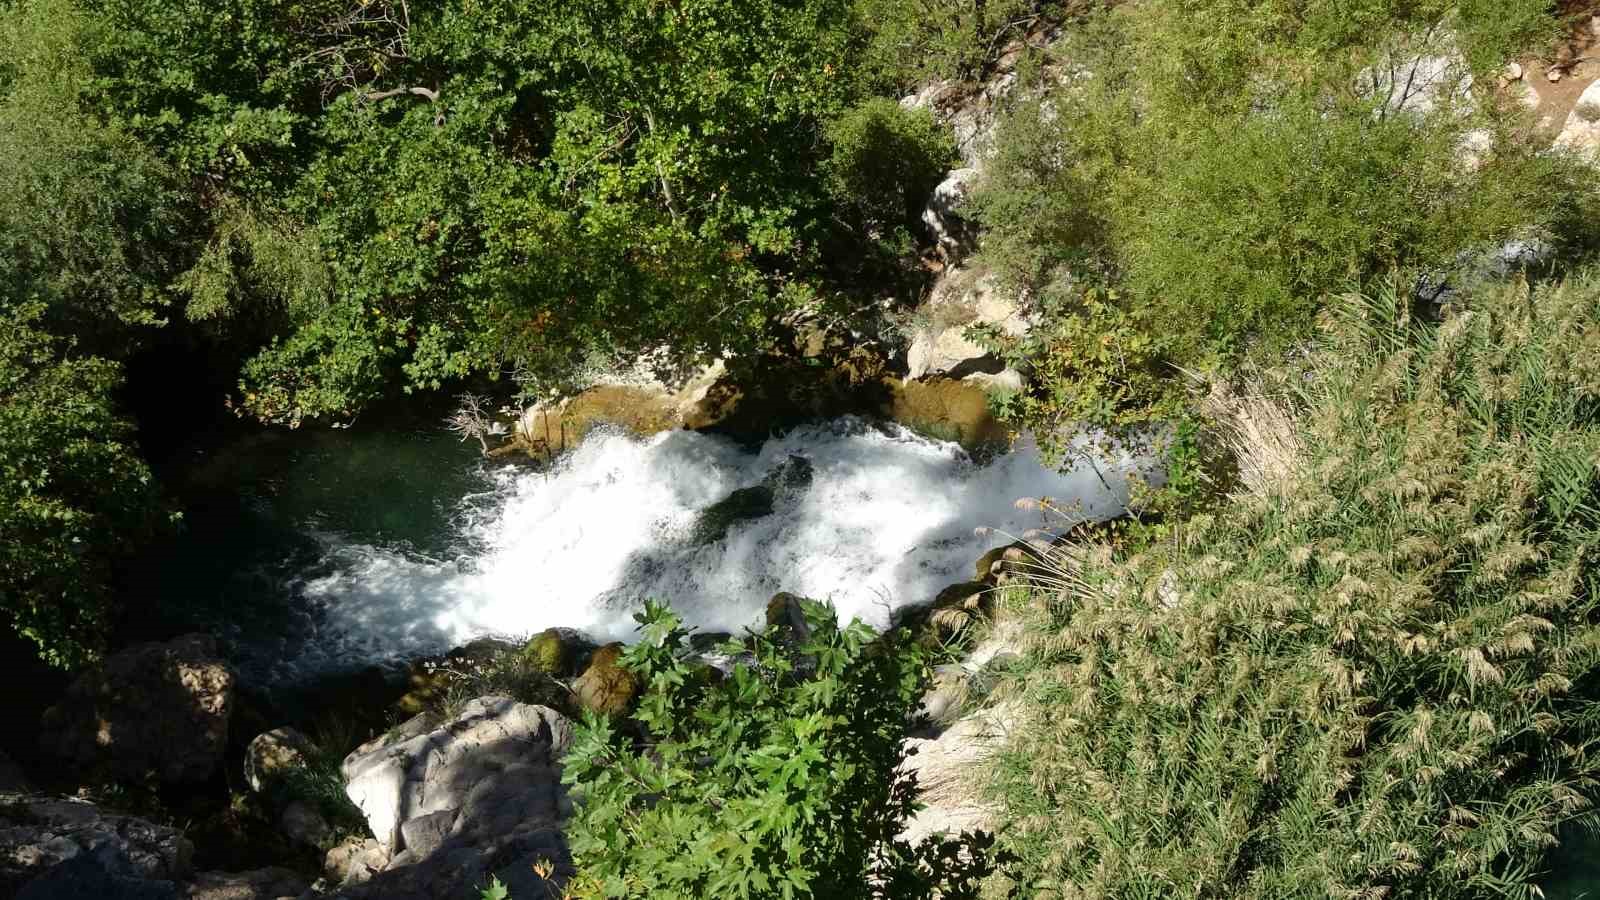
(75,499)
(778,780)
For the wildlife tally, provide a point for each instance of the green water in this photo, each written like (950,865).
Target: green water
(261,512)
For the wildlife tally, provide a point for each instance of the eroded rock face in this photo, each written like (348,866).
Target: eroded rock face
(458,801)
(55,849)
(961,300)
(156,710)
(954,235)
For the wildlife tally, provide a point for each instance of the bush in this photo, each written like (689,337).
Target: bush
(1375,676)
(886,160)
(75,499)
(1221,166)
(910,42)
(778,780)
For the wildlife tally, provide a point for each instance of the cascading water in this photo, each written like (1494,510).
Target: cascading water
(883,518)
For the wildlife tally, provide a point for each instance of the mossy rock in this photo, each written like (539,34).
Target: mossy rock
(605,687)
(552,651)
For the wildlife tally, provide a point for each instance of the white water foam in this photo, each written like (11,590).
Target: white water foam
(887,521)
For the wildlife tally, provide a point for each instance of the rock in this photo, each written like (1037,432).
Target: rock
(273,755)
(954,235)
(302,824)
(785,614)
(355,861)
(605,687)
(960,300)
(156,710)
(945,767)
(259,884)
(1512,72)
(458,801)
(51,848)
(1421,85)
(1553,74)
(1582,131)
(550,652)
(995,565)
(787,480)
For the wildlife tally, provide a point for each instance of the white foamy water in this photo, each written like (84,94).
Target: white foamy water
(888,520)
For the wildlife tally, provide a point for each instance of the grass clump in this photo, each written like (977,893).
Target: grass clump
(1374,677)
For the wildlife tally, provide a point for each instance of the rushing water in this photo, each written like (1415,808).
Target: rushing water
(371,551)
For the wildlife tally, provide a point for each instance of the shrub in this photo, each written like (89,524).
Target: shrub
(886,159)
(1223,168)
(778,780)
(1375,677)
(910,42)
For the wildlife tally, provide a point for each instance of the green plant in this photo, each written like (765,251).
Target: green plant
(1117,178)
(886,159)
(1375,676)
(777,780)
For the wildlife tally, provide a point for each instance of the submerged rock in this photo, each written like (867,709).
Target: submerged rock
(457,801)
(152,710)
(788,480)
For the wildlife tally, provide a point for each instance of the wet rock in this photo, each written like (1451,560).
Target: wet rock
(785,614)
(787,481)
(152,710)
(273,755)
(54,848)
(994,566)
(551,652)
(605,687)
(458,801)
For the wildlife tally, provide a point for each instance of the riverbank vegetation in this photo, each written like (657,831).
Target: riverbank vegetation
(1371,674)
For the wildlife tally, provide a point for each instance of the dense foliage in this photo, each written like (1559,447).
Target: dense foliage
(1187,184)
(1374,676)
(74,494)
(776,780)
(344,200)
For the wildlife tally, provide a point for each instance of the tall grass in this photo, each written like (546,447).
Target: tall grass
(1377,679)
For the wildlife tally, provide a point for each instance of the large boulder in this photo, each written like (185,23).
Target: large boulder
(54,849)
(152,710)
(1582,131)
(960,300)
(784,483)
(456,802)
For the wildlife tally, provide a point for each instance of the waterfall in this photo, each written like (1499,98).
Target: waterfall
(886,518)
